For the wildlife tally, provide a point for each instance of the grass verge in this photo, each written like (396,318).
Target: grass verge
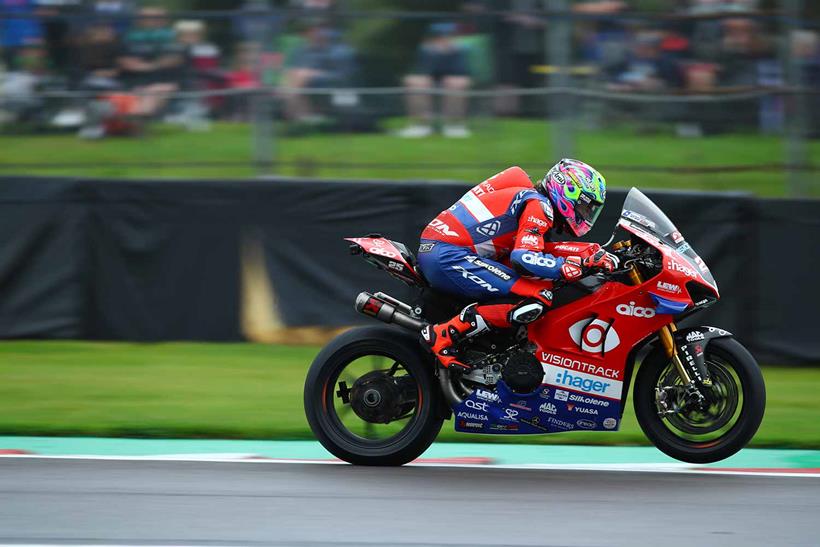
(254,391)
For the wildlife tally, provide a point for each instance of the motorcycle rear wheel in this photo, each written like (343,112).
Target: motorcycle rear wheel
(324,404)
(738,399)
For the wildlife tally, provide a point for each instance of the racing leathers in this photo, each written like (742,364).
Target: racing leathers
(489,245)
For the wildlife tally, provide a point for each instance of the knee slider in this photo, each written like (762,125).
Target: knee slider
(526,312)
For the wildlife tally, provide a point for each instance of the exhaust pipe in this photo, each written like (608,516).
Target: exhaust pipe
(388,309)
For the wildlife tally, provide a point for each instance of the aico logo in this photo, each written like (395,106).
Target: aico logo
(548,408)
(535,260)
(634,311)
(668,287)
(682,269)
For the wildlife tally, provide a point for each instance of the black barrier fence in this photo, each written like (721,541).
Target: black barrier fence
(224,260)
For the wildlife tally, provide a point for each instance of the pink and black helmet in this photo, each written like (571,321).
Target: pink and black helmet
(577,191)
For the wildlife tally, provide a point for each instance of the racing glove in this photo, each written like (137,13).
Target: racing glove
(602,261)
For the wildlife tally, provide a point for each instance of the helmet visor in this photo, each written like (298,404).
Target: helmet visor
(587,209)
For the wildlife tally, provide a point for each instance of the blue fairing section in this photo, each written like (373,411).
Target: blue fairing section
(665,305)
(541,265)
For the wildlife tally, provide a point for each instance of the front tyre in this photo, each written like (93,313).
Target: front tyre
(736,403)
(370,398)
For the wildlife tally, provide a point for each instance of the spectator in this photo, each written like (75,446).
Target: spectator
(18,34)
(243,75)
(646,68)
(322,61)
(440,62)
(805,49)
(152,61)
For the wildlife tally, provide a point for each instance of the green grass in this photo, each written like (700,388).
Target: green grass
(255,391)
(496,143)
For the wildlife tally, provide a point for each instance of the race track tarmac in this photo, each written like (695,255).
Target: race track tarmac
(61,501)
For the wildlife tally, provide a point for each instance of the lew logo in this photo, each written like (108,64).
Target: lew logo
(594,336)
(634,311)
(668,287)
(489,229)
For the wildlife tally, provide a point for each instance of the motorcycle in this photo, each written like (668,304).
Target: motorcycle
(376,396)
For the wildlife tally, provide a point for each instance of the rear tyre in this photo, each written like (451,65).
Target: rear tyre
(737,403)
(387,415)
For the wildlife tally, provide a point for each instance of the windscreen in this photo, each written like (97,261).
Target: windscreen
(642,212)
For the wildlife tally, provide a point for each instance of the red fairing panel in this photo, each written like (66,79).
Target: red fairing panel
(388,255)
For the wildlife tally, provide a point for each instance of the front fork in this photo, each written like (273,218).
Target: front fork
(693,394)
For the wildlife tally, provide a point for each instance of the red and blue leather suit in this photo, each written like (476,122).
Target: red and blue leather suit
(493,239)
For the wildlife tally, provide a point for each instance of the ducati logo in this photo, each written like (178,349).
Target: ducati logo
(489,229)
(594,336)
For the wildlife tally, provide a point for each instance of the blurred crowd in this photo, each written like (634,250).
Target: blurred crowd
(129,63)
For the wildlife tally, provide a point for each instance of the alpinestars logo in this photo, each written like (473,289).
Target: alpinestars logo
(594,336)
(474,278)
(489,229)
(519,197)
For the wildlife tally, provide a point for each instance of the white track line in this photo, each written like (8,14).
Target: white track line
(612,467)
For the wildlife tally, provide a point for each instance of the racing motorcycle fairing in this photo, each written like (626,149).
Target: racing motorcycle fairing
(390,256)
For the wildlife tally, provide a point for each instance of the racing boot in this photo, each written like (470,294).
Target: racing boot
(444,338)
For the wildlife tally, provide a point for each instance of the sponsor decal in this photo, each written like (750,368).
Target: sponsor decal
(535,422)
(583,382)
(485,187)
(594,336)
(510,415)
(560,423)
(519,197)
(586,424)
(610,423)
(537,221)
(544,393)
(673,265)
(474,278)
(668,287)
(561,395)
(719,331)
(683,247)
(575,364)
(382,252)
(441,227)
(546,294)
(473,416)
(694,336)
(530,239)
(701,302)
(548,408)
(489,229)
(588,400)
(559,177)
(639,218)
(495,270)
(676,237)
(582,409)
(476,405)
(504,427)
(487,395)
(537,260)
(393,265)
(521,405)
(701,264)
(632,310)
(567,248)
(472,425)
(546,207)
(426,247)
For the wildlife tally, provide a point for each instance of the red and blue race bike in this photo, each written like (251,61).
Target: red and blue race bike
(376,396)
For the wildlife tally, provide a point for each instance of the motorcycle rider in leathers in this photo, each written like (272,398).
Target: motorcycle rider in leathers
(492,242)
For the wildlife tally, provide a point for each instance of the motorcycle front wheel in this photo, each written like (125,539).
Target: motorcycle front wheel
(734,407)
(370,397)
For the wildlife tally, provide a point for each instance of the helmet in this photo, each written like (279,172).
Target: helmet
(577,190)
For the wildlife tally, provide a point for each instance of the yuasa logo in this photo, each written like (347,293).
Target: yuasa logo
(594,335)
(634,311)
(442,227)
(548,408)
(536,260)
(476,405)
(474,278)
(668,287)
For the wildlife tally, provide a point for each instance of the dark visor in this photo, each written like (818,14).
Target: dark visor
(587,209)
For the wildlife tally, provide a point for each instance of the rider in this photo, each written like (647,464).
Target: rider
(495,239)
